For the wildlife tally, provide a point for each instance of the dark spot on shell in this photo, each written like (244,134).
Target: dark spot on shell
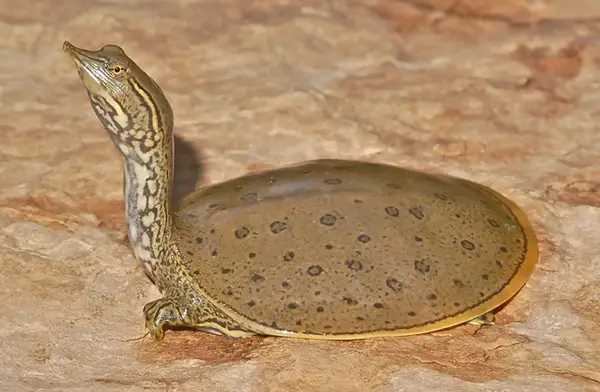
(481,294)
(189,252)
(493,223)
(299,322)
(314,270)
(350,301)
(327,327)
(226,270)
(499,263)
(503,249)
(214,253)
(392,185)
(360,318)
(378,305)
(320,309)
(249,196)
(252,255)
(392,211)
(394,284)
(441,196)
(417,212)
(289,256)
(468,245)
(228,291)
(432,297)
(213,205)
(251,303)
(329,246)
(354,265)
(277,227)
(457,304)
(333,181)
(328,220)
(292,305)
(411,313)
(422,266)
(458,283)
(364,238)
(418,239)
(358,201)
(485,277)
(241,232)
(199,240)
(285,284)
(257,278)
(212,231)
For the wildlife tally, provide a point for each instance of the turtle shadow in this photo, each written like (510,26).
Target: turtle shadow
(189,169)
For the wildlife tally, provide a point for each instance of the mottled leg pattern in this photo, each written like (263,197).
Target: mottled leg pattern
(162,313)
(485,319)
(167,313)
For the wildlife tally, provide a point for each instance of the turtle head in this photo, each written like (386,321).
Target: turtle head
(130,105)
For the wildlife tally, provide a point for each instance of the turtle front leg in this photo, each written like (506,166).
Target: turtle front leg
(167,313)
(162,313)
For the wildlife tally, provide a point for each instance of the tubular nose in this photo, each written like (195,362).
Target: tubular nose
(67,46)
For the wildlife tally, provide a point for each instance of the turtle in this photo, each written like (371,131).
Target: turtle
(330,249)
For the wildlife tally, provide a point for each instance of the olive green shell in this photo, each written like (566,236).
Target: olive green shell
(354,249)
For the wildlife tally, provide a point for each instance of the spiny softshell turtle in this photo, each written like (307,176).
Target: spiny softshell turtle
(326,249)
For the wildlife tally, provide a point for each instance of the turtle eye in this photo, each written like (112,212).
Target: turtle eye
(117,69)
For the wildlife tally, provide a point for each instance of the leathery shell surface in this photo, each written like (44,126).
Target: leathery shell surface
(344,248)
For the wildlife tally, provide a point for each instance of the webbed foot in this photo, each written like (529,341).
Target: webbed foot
(161,313)
(165,312)
(484,319)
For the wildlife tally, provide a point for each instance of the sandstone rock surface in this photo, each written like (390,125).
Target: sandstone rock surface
(505,93)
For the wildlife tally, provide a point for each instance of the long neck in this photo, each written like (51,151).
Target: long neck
(143,131)
(147,191)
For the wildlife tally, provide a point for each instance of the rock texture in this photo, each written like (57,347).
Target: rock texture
(505,93)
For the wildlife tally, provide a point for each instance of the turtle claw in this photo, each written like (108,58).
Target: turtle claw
(163,313)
